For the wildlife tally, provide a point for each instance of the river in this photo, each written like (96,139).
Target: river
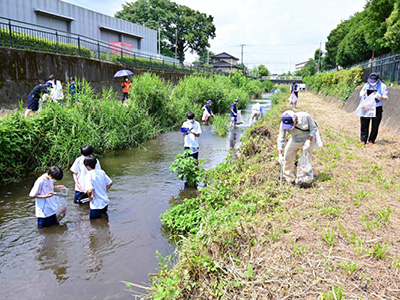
(84,260)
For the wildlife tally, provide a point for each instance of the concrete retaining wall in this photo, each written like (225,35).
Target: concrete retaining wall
(21,70)
(391,109)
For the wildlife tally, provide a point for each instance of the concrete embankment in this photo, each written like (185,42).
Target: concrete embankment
(21,70)
(391,109)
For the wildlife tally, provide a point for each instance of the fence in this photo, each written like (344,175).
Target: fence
(387,66)
(23,35)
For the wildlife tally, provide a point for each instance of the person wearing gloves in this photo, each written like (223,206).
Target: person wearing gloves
(302,130)
(234,113)
(373,85)
(256,113)
(192,135)
(207,112)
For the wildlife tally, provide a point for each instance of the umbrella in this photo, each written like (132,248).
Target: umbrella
(122,73)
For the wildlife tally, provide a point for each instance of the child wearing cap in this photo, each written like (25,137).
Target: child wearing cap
(234,113)
(373,85)
(302,130)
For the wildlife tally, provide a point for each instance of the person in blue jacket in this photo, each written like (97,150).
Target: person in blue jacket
(234,113)
(35,95)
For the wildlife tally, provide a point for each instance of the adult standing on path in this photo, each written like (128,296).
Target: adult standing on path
(234,113)
(35,95)
(302,130)
(373,85)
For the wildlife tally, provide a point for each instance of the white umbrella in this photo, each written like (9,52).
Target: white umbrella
(123,73)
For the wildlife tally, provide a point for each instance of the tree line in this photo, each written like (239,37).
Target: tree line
(370,33)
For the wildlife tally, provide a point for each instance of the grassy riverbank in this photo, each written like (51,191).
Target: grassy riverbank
(244,237)
(101,120)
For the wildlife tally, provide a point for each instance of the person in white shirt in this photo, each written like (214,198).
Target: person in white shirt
(79,171)
(97,184)
(45,204)
(192,135)
(302,130)
(256,113)
(56,91)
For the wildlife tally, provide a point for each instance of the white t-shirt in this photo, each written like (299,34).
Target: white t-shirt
(44,207)
(256,107)
(97,180)
(191,140)
(79,168)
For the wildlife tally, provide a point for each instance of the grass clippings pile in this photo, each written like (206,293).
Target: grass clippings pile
(245,237)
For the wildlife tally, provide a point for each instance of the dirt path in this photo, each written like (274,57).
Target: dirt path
(342,234)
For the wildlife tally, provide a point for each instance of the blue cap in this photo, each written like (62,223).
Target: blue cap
(373,77)
(287,121)
(48,83)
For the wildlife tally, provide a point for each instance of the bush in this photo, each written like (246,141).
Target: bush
(339,84)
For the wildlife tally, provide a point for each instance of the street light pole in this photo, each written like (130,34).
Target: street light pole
(176,42)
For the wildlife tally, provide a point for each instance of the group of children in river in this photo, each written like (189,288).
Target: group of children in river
(91,185)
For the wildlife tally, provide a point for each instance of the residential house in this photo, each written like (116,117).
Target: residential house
(225,62)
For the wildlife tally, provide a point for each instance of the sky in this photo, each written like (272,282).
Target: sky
(275,33)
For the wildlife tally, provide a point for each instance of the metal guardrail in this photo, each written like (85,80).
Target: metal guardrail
(16,34)
(387,66)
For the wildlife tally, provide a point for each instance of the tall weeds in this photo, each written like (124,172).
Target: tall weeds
(101,120)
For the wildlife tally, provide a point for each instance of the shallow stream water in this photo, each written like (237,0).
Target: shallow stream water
(81,259)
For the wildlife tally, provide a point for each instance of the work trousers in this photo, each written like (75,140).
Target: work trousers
(365,135)
(291,149)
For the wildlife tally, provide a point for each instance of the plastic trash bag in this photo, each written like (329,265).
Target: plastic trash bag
(239,117)
(318,140)
(206,115)
(292,98)
(305,174)
(367,107)
(61,198)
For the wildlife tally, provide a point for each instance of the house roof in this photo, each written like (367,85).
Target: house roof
(225,64)
(224,55)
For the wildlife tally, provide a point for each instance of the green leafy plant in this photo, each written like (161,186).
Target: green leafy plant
(349,267)
(335,294)
(378,251)
(187,168)
(329,237)
(220,125)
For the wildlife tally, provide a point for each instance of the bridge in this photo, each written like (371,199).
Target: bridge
(283,79)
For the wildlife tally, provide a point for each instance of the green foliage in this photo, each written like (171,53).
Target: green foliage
(392,35)
(187,168)
(309,69)
(192,27)
(31,42)
(263,71)
(336,294)
(220,125)
(339,84)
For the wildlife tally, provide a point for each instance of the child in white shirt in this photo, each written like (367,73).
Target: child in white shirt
(43,190)
(97,184)
(79,171)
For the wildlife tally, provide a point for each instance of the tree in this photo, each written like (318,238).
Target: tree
(204,58)
(392,35)
(263,71)
(334,39)
(179,25)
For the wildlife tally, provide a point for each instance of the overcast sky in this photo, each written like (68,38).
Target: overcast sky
(276,33)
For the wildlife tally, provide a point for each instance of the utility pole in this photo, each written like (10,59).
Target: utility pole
(319,58)
(176,42)
(242,45)
(159,41)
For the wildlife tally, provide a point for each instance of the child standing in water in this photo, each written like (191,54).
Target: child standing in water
(79,171)
(97,184)
(45,204)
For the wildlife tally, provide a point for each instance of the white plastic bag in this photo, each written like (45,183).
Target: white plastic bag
(305,174)
(239,117)
(318,140)
(367,107)
(292,98)
(61,198)
(205,116)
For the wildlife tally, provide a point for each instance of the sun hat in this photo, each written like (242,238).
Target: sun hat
(373,78)
(288,119)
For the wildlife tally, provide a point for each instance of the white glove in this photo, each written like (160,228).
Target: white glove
(306,145)
(378,96)
(280,158)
